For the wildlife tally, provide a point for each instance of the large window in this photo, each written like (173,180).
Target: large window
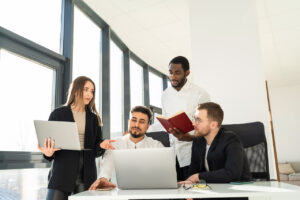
(36,20)
(169,83)
(26,95)
(35,73)
(116,88)
(136,84)
(86,50)
(156,89)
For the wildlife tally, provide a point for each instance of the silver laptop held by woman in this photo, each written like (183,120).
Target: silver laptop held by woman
(65,134)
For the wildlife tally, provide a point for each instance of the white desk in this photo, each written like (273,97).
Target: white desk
(257,190)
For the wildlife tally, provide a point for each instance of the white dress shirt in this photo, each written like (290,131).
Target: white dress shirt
(186,99)
(124,142)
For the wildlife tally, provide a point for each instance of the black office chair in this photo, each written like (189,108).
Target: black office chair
(252,135)
(161,136)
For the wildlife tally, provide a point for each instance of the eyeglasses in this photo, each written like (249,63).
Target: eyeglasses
(197,120)
(199,185)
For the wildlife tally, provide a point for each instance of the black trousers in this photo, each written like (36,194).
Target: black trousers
(182,172)
(54,194)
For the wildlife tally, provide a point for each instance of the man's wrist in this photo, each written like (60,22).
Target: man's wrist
(189,137)
(103,179)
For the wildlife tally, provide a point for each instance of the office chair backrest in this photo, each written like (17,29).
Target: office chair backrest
(252,135)
(161,136)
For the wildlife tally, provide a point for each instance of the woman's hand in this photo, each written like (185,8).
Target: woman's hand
(48,149)
(106,144)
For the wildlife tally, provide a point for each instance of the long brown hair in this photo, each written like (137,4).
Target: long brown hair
(77,86)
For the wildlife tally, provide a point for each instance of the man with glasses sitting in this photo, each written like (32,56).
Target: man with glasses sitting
(217,155)
(138,126)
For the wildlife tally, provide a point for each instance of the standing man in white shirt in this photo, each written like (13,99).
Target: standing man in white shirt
(136,139)
(182,96)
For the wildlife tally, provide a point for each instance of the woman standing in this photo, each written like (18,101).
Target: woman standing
(74,171)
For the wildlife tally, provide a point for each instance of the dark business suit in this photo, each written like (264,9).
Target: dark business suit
(65,166)
(226,159)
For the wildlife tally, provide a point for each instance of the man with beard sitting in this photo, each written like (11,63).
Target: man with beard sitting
(217,154)
(138,126)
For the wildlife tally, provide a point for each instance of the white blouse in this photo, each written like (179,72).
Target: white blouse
(187,99)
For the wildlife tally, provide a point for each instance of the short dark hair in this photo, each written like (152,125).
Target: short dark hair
(181,60)
(144,110)
(214,111)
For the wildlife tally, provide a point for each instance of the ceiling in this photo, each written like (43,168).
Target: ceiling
(158,30)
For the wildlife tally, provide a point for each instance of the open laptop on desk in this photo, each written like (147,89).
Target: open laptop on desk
(151,168)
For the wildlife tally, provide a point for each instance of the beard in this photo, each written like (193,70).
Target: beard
(180,83)
(202,133)
(135,134)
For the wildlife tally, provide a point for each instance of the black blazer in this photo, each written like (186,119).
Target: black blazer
(65,167)
(226,159)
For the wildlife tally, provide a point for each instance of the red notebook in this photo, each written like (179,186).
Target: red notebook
(180,121)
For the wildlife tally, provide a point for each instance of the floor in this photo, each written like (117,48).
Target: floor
(17,184)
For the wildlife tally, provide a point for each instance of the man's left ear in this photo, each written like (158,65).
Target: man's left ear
(187,72)
(214,124)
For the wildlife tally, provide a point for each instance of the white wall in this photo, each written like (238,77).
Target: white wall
(285,105)
(226,61)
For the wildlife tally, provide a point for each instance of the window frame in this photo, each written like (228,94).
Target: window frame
(25,48)
(62,63)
